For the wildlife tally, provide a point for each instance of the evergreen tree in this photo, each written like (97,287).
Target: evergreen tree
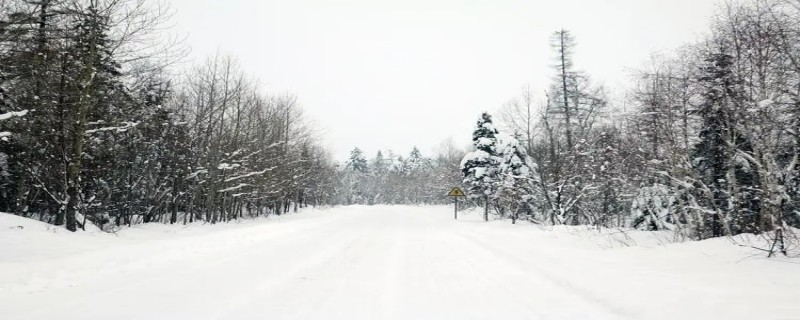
(415,159)
(379,165)
(733,187)
(357,173)
(357,162)
(481,167)
(378,170)
(33,55)
(712,157)
(417,167)
(95,85)
(105,137)
(516,188)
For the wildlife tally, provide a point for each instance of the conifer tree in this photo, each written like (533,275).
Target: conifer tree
(379,164)
(515,190)
(733,189)
(481,167)
(357,170)
(357,162)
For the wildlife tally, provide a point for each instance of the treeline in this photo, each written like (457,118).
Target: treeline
(388,178)
(96,129)
(706,143)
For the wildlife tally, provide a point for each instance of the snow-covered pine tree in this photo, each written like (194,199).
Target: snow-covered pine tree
(711,158)
(378,169)
(93,85)
(732,186)
(33,46)
(379,164)
(608,177)
(357,162)
(417,177)
(481,167)
(515,190)
(356,170)
(414,159)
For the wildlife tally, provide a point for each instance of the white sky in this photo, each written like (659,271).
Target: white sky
(382,74)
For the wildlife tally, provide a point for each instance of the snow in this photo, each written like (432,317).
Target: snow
(480,172)
(489,126)
(227,166)
(234,188)
(477,155)
(124,127)
(247,175)
(9,115)
(383,262)
(195,174)
(484,142)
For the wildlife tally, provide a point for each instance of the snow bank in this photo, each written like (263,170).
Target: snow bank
(653,275)
(37,256)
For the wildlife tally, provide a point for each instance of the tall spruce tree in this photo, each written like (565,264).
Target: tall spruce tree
(481,167)
(732,185)
(515,190)
(357,162)
(356,174)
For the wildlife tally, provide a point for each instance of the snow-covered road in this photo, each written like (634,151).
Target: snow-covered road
(381,262)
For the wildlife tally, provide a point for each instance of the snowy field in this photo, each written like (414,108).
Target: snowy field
(383,262)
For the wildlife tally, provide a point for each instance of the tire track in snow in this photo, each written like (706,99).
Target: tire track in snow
(567,286)
(206,263)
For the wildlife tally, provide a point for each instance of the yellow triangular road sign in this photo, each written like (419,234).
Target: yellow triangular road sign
(456,192)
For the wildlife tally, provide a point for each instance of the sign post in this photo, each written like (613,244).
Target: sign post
(455,193)
(455,208)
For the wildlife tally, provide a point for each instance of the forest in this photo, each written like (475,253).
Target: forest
(98,127)
(704,143)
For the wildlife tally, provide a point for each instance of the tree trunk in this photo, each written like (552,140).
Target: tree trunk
(514,217)
(485,208)
(74,168)
(567,117)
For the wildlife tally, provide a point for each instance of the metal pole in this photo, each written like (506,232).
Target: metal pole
(456,208)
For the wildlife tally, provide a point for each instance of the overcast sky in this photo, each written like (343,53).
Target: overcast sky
(380,74)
